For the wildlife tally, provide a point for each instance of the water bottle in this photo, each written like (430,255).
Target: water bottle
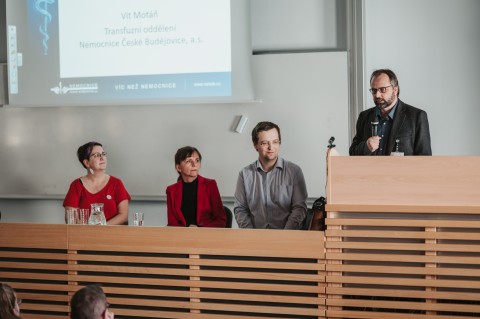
(397,149)
(97,217)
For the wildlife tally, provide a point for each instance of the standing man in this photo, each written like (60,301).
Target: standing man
(399,126)
(271,192)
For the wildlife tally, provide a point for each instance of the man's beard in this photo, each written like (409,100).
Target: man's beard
(385,103)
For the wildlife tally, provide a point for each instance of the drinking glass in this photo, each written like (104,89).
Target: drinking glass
(83,216)
(72,215)
(138,219)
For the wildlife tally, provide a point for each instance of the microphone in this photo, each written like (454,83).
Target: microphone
(375,126)
(330,142)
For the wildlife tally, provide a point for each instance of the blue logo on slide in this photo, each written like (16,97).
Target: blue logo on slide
(41,6)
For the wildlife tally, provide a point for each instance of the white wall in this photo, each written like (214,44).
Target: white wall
(288,87)
(293,100)
(292,25)
(432,45)
(434,48)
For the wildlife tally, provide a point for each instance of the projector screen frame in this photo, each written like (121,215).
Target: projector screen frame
(241,91)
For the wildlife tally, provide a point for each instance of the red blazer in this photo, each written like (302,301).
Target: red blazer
(210,211)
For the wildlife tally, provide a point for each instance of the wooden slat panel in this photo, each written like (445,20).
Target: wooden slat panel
(388,269)
(35,276)
(199,284)
(198,273)
(199,262)
(37,286)
(319,300)
(404,246)
(34,265)
(403,208)
(279,310)
(403,222)
(187,315)
(243,274)
(44,307)
(233,295)
(240,242)
(403,282)
(404,258)
(220,307)
(33,236)
(409,249)
(212,305)
(403,234)
(33,259)
(43,296)
(403,293)
(33,255)
(247,273)
(403,305)
(384,315)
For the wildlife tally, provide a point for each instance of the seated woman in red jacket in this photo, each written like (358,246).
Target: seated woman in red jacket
(193,200)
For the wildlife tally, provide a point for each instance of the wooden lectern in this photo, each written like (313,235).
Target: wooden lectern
(403,237)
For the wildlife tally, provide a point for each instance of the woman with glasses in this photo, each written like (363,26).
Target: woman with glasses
(193,200)
(98,187)
(9,304)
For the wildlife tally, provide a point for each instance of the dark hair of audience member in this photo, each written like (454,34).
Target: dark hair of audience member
(89,302)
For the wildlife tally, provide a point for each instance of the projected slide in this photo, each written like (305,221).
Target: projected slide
(71,51)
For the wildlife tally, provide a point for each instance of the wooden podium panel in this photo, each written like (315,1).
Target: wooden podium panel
(403,237)
(412,182)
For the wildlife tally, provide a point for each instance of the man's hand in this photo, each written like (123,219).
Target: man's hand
(373,143)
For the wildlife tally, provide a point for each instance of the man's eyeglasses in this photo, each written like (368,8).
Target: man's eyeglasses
(265,144)
(19,302)
(382,89)
(98,155)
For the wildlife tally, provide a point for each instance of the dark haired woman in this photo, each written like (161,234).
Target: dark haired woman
(98,187)
(9,304)
(193,200)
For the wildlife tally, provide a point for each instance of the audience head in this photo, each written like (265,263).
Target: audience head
(264,126)
(89,302)
(85,152)
(188,162)
(9,304)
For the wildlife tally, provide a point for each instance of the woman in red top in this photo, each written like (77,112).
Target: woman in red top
(98,187)
(193,200)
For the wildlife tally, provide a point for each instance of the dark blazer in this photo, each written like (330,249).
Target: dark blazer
(210,211)
(410,126)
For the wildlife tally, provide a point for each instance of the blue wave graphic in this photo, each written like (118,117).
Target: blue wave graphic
(41,6)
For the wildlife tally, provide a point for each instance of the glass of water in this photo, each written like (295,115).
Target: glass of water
(138,219)
(72,215)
